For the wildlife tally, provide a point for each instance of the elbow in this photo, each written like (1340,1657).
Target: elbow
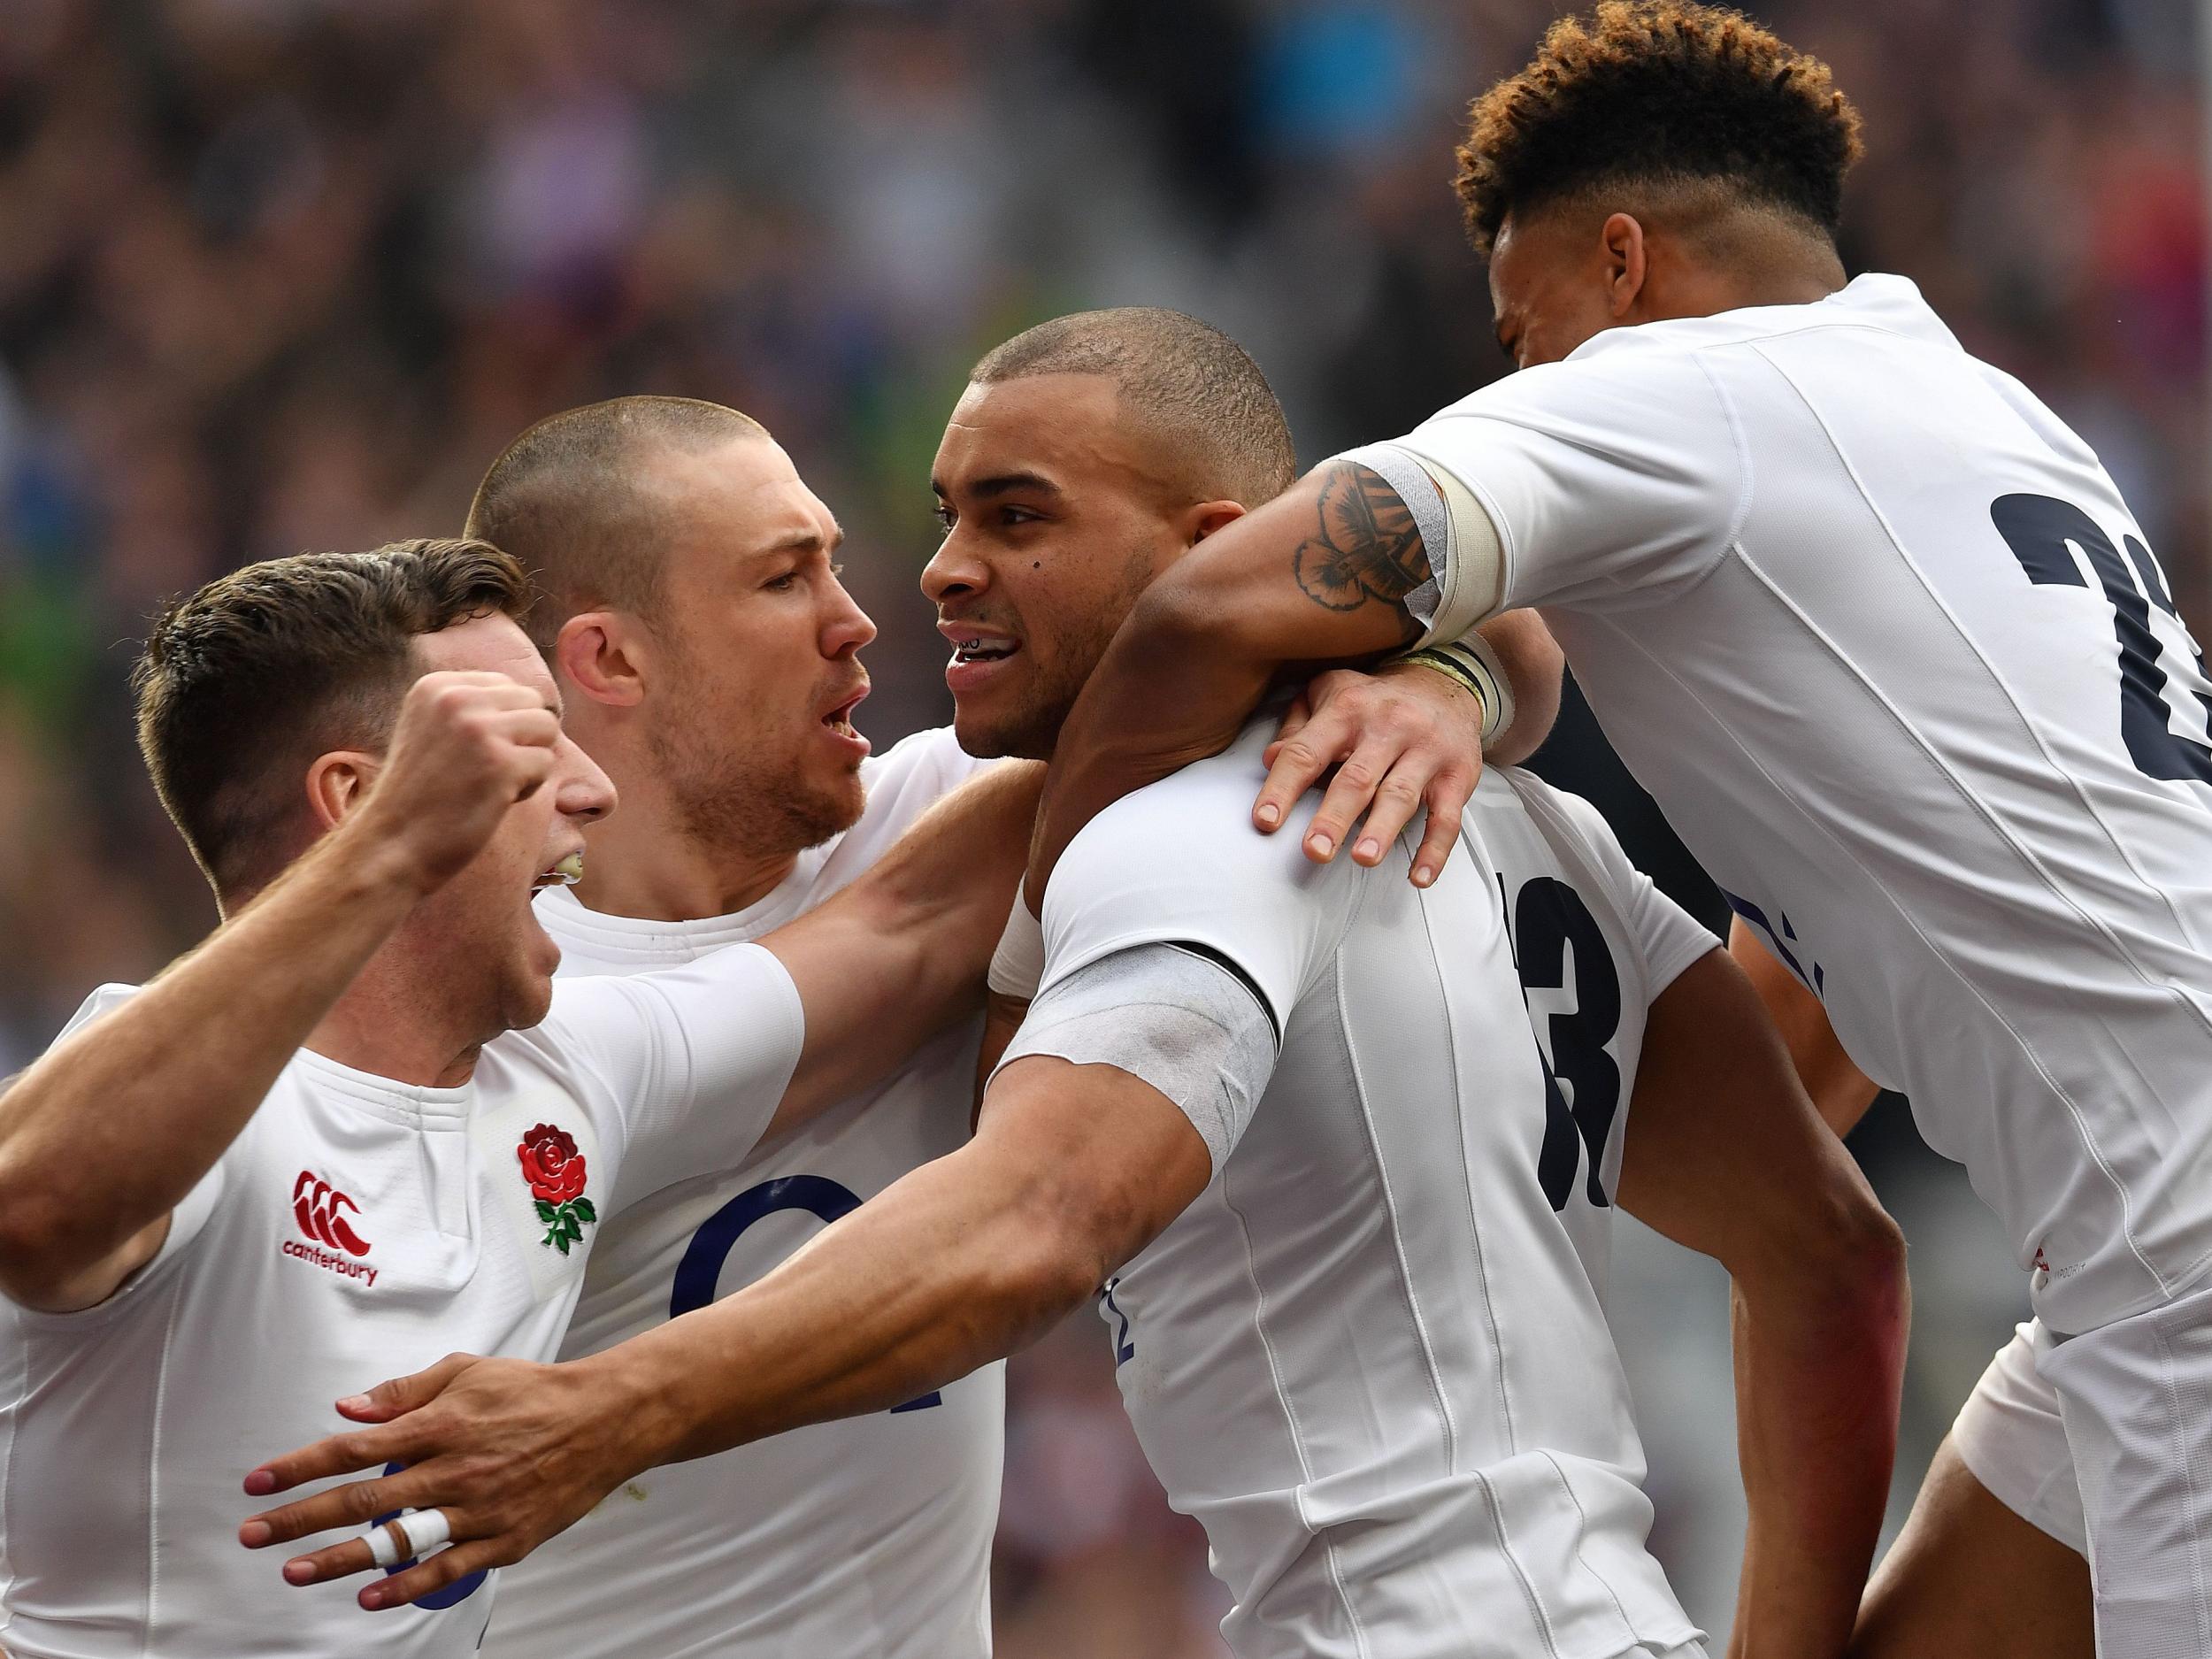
(1838,1257)
(1051,1257)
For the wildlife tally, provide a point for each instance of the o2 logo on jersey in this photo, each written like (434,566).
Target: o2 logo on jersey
(701,1270)
(1550,919)
(2039,529)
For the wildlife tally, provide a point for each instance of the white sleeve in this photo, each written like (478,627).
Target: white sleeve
(190,1216)
(696,1059)
(1594,482)
(1184,1022)
(1178,863)
(1668,938)
(915,772)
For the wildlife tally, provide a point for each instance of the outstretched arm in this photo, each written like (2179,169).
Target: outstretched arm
(1724,1154)
(104,1136)
(1073,1169)
(901,954)
(1320,575)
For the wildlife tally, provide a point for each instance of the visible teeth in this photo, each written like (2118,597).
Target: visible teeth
(982,651)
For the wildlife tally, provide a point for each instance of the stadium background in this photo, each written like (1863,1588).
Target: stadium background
(279,275)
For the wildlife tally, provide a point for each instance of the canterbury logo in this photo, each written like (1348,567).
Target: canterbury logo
(320,1208)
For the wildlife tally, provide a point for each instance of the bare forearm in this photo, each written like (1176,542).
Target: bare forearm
(901,953)
(945,1271)
(1817,1379)
(108,1131)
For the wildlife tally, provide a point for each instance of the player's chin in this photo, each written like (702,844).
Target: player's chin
(990,725)
(530,987)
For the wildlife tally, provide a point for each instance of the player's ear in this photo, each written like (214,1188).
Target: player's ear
(1621,244)
(1202,520)
(335,784)
(601,654)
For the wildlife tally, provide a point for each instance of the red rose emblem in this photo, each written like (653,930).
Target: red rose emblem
(551,1165)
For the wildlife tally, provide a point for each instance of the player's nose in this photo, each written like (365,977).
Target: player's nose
(953,572)
(847,627)
(584,792)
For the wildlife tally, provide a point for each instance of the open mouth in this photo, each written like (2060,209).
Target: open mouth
(566,873)
(983,651)
(840,719)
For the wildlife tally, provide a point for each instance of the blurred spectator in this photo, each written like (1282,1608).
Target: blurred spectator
(287,274)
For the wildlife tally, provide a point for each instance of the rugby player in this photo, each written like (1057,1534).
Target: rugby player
(1363,1340)
(688,597)
(1880,634)
(358,1120)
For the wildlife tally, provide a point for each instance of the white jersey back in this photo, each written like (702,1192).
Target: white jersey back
(357,1229)
(867,1536)
(1368,1358)
(1879,634)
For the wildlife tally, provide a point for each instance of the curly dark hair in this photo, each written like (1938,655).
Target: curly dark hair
(1665,92)
(244,682)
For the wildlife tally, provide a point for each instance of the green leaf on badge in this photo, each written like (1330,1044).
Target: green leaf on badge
(560,1242)
(546,1213)
(583,1208)
(572,1229)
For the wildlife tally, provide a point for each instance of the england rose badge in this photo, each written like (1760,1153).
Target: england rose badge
(555,1170)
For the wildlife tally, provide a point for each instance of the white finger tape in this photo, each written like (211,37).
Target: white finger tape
(425,1530)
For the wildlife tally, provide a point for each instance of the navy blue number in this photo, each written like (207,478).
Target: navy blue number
(1125,1350)
(701,1270)
(1780,937)
(454,1594)
(1548,918)
(2038,528)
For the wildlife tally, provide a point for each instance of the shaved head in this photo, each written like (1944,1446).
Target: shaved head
(1213,424)
(572,499)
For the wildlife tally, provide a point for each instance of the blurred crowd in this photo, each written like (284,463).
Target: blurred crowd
(281,274)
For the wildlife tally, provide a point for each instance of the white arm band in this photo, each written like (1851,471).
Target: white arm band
(1182,1022)
(1017,966)
(1466,560)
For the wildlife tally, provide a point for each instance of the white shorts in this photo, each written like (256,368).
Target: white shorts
(2010,1436)
(2137,1399)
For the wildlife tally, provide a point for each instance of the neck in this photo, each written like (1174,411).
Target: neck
(384,1025)
(1746,260)
(641,864)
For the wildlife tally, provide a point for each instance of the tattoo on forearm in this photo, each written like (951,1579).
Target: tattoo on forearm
(1368,547)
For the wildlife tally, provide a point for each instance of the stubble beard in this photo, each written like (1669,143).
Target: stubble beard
(734,803)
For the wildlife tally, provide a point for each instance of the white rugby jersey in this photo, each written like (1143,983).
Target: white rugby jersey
(1368,1358)
(1878,633)
(357,1229)
(869,1536)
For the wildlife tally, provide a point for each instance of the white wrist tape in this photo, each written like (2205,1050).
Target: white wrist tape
(1481,663)
(1017,966)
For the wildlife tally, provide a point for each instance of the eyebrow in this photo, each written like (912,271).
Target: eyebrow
(1003,484)
(803,542)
